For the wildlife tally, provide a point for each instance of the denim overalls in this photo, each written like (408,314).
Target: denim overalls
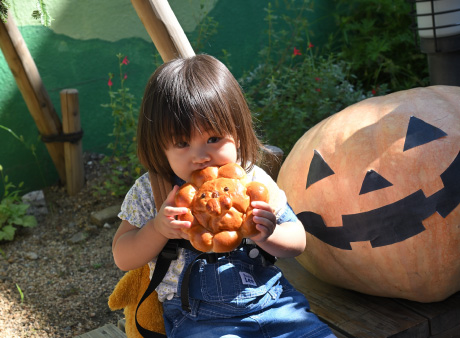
(240,295)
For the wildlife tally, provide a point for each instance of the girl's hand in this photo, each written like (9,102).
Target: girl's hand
(165,221)
(265,220)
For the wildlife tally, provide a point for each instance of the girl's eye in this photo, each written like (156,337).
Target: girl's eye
(181,144)
(213,139)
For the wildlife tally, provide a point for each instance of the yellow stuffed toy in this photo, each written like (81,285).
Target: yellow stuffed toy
(127,294)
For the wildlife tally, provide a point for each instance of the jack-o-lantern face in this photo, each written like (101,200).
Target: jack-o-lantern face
(396,221)
(377,187)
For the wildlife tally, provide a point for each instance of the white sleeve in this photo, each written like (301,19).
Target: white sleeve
(277,197)
(138,206)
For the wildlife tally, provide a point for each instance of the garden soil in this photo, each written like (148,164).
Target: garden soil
(55,279)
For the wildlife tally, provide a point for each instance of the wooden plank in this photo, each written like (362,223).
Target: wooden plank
(106,331)
(338,334)
(352,313)
(442,316)
(32,89)
(73,153)
(451,333)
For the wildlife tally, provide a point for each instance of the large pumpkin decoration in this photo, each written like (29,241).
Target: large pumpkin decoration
(377,188)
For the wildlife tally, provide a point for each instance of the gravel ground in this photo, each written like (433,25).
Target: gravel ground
(63,267)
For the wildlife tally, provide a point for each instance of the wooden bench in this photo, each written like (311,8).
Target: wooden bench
(352,314)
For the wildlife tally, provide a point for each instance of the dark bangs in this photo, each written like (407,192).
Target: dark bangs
(196,102)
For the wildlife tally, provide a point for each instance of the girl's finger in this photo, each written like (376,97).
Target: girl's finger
(181,225)
(262,220)
(174,211)
(262,206)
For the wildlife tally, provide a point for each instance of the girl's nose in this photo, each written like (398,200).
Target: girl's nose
(201,156)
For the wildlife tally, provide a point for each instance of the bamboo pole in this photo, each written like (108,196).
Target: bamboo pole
(72,150)
(164,29)
(31,87)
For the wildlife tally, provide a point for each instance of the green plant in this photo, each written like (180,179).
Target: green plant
(4,5)
(32,147)
(20,293)
(12,210)
(294,87)
(206,28)
(125,166)
(375,38)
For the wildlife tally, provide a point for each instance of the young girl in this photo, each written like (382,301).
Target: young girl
(194,115)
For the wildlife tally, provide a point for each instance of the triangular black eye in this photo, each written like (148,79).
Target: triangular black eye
(419,132)
(319,169)
(373,181)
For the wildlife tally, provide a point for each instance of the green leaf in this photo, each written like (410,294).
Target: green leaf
(7,233)
(29,221)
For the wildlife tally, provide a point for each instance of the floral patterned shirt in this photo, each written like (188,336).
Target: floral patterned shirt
(139,207)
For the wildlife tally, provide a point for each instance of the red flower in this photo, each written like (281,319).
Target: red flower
(125,77)
(374,91)
(317,79)
(297,52)
(310,45)
(125,61)
(110,82)
(318,89)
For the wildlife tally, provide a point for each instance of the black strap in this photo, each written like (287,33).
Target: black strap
(61,137)
(168,254)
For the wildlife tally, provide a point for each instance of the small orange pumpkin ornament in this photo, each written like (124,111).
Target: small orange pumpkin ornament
(377,187)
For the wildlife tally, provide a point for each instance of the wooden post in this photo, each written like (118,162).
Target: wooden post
(164,29)
(31,86)
(74,168)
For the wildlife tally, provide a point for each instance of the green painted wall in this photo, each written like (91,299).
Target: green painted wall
(79,50)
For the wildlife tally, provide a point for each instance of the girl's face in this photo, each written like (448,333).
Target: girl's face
(203,150)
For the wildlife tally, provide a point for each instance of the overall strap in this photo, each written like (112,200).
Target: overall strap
(160,189)
(168,254)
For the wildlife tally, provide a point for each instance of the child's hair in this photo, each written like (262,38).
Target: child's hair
(192,94)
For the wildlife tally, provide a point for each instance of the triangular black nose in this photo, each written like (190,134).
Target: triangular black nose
(373,181)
